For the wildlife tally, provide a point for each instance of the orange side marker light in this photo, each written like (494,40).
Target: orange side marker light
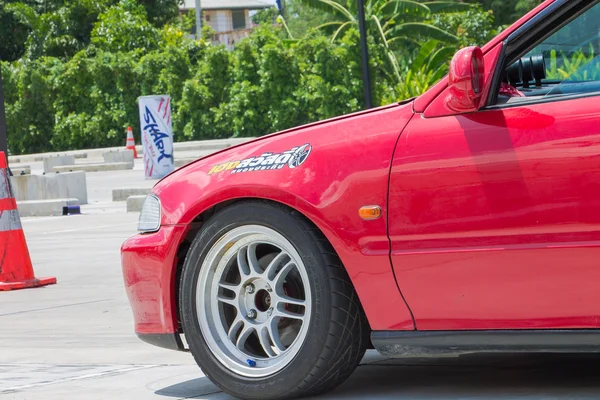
(369,213)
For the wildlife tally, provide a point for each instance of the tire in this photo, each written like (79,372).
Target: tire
(313,306)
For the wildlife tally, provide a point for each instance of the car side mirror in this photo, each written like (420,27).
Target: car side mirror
(466,80)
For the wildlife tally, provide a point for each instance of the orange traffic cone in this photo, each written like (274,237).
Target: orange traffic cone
(130,144)
(16,271)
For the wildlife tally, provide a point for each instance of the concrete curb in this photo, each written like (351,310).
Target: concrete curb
(135,203)
(118,166)
(124,194)
(44,208)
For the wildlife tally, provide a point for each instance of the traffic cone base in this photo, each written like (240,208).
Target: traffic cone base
(130,143)
(32,283)
(16,271)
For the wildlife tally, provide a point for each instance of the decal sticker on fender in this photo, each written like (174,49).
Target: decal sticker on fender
(268,161)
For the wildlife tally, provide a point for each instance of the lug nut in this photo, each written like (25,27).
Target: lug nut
(251,314)
(250,289)
(270,311)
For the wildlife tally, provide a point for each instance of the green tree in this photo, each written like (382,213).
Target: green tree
(161,12)
(474,27)
(394,23)
(63,32)
(301,18)
(13,31)
(266,16)
(125,27)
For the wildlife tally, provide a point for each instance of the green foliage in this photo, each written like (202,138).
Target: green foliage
(507,11)
(301,19)
(576,66)
(161,12)
(473,27)
(398,25)
(266,16)
(125,27)
(30,115)
(14,32)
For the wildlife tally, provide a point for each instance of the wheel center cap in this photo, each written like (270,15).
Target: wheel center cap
(257,300)
(262,300)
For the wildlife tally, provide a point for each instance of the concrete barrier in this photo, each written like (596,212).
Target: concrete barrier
(135,203)
(118,156)
(123,194)
(118,166)
(51,162)
(44,208)
(20,169)
(50,186)
(180,162)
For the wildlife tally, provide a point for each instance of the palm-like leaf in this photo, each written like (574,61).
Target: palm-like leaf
(393,7)
(321,5)
(424,53)
(341,29)
(412,29)
(440,58)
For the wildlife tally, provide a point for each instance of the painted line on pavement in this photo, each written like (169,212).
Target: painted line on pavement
(76,378)
(53,307)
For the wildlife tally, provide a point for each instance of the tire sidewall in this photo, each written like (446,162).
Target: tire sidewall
(282,222)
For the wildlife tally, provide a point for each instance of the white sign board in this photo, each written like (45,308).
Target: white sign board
(157,135)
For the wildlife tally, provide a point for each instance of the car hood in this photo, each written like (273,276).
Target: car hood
(287,131)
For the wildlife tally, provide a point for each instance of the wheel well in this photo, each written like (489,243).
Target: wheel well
(196,225)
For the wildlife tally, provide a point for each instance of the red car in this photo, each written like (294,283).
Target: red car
(465,220)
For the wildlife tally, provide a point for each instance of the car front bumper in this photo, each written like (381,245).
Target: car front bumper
(149,264)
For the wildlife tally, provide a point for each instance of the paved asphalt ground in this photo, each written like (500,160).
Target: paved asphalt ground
(75,340)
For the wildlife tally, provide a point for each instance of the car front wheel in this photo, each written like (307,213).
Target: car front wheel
(268,310)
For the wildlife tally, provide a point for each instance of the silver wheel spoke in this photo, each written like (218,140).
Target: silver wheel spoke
(282,312)
(264,336)
(272,267)
(227,300)
(281,275)
(290,300)
(229,286)
(274,335)
(242,262)
(252,260)
(234,329)
(244,335)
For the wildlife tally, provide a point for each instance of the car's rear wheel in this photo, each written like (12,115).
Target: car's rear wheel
(268,310)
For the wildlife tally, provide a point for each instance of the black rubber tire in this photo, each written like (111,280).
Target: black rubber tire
(338,333)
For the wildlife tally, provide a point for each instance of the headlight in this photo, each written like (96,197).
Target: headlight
(150,215)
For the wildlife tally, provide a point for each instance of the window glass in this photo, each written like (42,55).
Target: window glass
(566,63)
(239,19)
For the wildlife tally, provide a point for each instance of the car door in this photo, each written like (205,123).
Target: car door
(494,216)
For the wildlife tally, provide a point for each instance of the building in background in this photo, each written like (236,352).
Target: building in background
(229,18)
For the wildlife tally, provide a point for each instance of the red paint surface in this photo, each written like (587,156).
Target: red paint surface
(494,218)
(148,268)
(438,107)
(466,80)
